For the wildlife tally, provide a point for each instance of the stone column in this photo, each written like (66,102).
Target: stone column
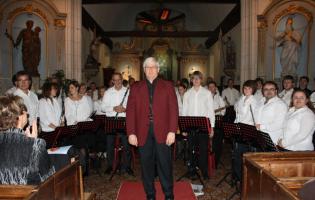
(249,40)
(73,68)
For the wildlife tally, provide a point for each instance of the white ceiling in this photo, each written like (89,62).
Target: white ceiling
(121,16)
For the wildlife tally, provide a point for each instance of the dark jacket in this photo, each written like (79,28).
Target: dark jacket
(23,160)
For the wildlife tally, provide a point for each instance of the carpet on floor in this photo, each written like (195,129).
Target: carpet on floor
(134,191)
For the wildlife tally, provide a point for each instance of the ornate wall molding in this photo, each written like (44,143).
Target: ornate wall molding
(28,9)
(60,23)
(291,10)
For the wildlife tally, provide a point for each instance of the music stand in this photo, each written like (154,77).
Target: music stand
(249,136)
(114,125)
(66,132)
(266,142)
(193,126)
(50,138)
(89,126)
(232,132)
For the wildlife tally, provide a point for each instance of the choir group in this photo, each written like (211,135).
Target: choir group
(287,116)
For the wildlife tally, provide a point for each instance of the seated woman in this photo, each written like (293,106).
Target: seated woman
(23,157)
(299,124)
(49,108)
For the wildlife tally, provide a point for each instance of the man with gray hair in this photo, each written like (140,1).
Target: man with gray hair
(152,115)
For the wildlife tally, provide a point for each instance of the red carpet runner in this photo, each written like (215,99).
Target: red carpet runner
(134,191)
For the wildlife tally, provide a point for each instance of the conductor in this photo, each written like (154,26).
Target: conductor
(152,117)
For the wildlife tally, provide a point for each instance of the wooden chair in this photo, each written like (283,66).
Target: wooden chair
(64,184)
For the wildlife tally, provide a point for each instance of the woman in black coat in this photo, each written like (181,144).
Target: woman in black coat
(23,156)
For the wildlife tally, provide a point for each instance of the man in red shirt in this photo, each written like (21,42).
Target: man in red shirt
(152,118)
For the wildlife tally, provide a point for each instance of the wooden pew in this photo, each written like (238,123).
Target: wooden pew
(276,175)
(64,184)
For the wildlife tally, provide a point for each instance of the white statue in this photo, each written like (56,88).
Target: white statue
(290,42)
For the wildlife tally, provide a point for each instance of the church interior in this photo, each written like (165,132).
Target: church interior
(86,43)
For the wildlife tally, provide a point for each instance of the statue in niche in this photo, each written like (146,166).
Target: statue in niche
(290,42)
(91,61)
(31,47)
(230,53)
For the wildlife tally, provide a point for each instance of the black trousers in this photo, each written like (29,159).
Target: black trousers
(160,155)
(217,144)
(126,159)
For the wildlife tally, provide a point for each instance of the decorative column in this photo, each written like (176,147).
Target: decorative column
(73,68)
(249,40)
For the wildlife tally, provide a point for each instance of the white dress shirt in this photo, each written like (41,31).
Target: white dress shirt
(271,116)
(232,95)
(258,95)
(199,103)
(95,95)
(286,96)
(312,98)
(31,102)
(246,110)
(98,107)
(113,98)
(180,100)
(299,126)
(11,90)
(218,102)
(49,113)
(77,111)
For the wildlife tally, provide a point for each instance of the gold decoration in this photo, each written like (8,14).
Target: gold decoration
(291,10)
(28,9)
(60,23)
(262,22)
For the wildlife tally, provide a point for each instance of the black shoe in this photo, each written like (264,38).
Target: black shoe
(150,197)
(108,170)
(169,197)
(130,171)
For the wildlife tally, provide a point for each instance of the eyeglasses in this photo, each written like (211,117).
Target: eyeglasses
(269,89)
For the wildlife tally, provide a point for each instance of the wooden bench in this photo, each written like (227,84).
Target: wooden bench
(276,175)
(65,184)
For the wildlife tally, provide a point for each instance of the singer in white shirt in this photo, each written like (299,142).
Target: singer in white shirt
(198,101)
(98,103)
(246,106)
(114,105)
(77,107)
(30,98)
(49,108)
(181,90)
(288,85)
(312,98)
(271,112)
(258,94)
(230,93)
(299,124)
(218,102)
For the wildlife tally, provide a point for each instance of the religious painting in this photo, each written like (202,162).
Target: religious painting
(291,44)
(28,37)
(163,54)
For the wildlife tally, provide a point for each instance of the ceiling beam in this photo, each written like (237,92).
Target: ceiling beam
(231,20)
(159,1)
(207,34)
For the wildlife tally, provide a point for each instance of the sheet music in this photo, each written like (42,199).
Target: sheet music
(59,150)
